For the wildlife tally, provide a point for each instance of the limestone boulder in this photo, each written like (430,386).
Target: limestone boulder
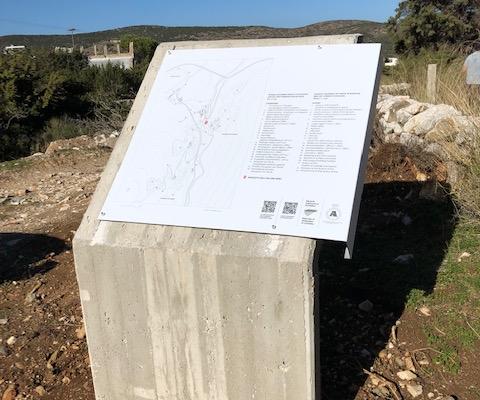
(437,150)
(103,140)
(390,127)
(405,114)
(410,140)
(391,138)
(394,103)
(417,107)
(425,121)
(457,129)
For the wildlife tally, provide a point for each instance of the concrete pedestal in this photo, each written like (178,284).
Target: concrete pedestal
(177,313)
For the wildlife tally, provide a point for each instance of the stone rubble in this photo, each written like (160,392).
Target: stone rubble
(434,128)
(415,390)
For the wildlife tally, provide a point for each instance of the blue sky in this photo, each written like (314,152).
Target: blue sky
(48,16)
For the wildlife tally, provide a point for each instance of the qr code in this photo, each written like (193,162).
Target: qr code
(269,206)
(290,208)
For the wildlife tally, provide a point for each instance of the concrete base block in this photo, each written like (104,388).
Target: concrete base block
(177,313)
(200,315)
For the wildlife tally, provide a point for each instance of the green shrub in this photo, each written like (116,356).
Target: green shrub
(61,128)
(44,96)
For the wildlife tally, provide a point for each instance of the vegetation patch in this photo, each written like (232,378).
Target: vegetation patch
(454,326)
(46,96)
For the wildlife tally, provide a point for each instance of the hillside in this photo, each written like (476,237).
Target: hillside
(372,31)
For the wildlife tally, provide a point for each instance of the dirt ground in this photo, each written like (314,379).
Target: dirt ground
(43,350)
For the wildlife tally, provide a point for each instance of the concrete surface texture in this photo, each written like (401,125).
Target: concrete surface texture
(195,314)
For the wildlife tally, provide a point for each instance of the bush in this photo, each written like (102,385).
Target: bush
(45,96)
(34,87)
(110,93)
(61,128)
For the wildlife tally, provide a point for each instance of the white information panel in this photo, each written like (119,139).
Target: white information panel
(258,139)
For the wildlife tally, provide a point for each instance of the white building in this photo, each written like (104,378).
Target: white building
(12,48)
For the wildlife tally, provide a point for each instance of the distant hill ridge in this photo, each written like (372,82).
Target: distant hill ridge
(372,31)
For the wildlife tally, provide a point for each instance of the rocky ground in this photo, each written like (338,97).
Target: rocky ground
(372,344)
(43,351)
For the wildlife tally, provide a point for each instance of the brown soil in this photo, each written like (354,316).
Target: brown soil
(40,307)
(35,255)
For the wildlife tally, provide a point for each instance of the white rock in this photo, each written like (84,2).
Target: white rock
(410,140)
(406,375)
(397,128)
(393,102)
(416,108)
(65,207)
(40,390)
(424,122)
(464,255)
(387,128)
(459,129)
(437,150)
(403,116)
(425,311)
(391,113)
(409,364)
(11,340)
(454,172)
(390,138)
(415,390)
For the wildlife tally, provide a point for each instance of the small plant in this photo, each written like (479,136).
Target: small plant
(445,354)
(61,128)
(415,298)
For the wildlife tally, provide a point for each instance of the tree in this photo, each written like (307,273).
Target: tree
(34,87)
(420,24)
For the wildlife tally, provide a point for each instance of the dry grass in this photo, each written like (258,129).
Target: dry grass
(451,86)
(451,90)
(467,189)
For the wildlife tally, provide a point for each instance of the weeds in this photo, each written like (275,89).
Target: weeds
(14,164)
(455,303)
(415,298)
(463,149)
(451,86)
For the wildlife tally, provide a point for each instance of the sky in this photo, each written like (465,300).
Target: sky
(56,17)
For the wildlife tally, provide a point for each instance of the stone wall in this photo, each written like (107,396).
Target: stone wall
(439,129)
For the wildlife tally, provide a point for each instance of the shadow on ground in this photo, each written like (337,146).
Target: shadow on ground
(396,219)
(23,255)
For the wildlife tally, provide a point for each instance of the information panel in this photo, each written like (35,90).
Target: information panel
(258,139)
